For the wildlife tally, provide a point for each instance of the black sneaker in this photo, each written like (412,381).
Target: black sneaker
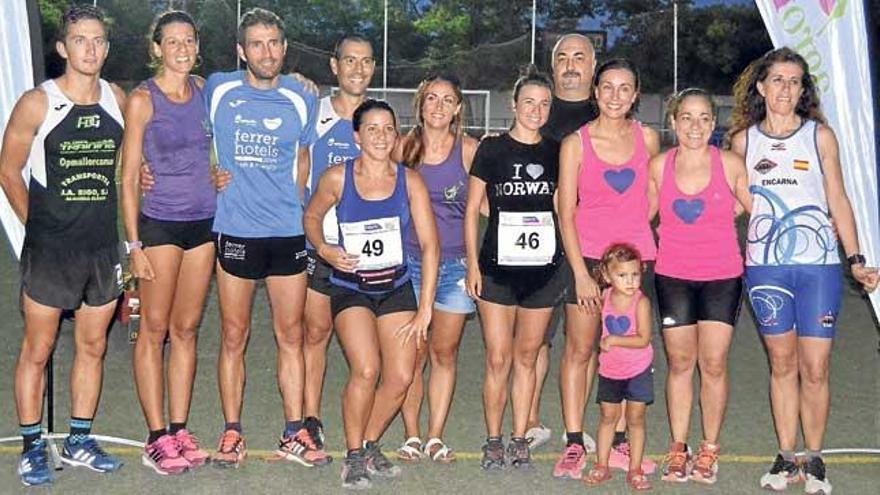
(493,455)
(316,430)
(814,473)
(377,463)
(354,471)
(518,453)
(781,474)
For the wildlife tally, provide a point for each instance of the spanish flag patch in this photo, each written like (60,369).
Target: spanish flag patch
(801,165)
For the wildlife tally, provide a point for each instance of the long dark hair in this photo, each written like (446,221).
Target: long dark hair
(414,146)
(618,63)
(749,106)
(162,20)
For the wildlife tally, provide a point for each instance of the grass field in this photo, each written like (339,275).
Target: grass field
(747,438)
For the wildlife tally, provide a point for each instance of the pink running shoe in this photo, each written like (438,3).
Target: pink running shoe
(571,463)
(164,457)
(301,449)
(619,459)
(189,448)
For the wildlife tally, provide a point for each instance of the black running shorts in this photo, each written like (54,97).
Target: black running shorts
(398,300)
(185,235)
(255,259)
(65,279)
(685,302)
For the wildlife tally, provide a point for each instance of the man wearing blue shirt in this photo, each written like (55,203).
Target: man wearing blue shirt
(263,124)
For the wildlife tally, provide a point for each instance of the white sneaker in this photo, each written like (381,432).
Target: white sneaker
(538,435)
(781,474)
(814,473)
(589,443)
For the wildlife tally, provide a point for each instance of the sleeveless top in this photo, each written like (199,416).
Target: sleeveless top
(613,200)
(790,223)
(177,143)
(375,230)
(72,189)
(697,231)
(621,363)
(447,186)
(335,145)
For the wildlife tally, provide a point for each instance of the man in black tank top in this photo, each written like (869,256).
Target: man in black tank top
(70,128)
(573,61)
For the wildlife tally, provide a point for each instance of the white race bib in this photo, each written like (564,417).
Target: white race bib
(526,238)
(331,227)
(377,243)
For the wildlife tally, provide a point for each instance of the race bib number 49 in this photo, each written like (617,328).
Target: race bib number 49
(377,243)
(526,238)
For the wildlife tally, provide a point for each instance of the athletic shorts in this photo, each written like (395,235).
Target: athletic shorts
(685,302)
(805,298)
(524,294)
(66,279)
(319,274)
(185,235)
(639,388)
(259,258)
(398,300)
(451,295)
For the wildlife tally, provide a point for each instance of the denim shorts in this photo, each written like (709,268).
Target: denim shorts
(451,292)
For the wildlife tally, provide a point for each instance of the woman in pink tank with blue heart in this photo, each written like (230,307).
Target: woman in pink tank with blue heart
(603,199)
(699,190)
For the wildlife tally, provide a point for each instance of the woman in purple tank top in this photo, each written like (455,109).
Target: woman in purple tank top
(437,148)
(699,189)
(169,236)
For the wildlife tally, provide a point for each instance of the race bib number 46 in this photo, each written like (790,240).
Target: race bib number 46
(377,243)
(526,238)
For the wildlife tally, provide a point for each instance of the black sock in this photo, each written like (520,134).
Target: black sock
(155,435)
(619,438)
(29,434)
(574,438)
(173,428)
(233,426)
(80,428)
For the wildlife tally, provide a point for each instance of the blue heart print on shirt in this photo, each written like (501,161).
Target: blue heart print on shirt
(688,210)
(620,180)
(617,325)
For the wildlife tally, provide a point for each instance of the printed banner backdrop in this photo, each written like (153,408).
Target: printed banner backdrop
(16,77)
(831,36)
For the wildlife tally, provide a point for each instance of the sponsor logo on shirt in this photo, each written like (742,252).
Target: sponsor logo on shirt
(272,124)
(764,166)
(88,121)
(235,103)
(239,120)
(802,165)
(779,181)
(778,146)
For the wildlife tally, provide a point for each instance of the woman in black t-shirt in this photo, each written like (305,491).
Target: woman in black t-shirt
(516,275)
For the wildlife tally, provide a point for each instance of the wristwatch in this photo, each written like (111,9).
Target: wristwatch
(856,259)
(130,245)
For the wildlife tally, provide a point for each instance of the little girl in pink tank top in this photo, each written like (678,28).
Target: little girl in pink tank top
(625,371)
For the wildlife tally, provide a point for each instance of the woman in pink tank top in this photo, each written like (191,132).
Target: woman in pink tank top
(699,189)
(603,199)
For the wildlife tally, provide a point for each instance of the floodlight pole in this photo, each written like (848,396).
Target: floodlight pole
(237,21)
(675,46)
(534,23)
(385,53)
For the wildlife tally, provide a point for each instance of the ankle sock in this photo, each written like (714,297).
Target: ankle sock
(29,434)
(80,428)
(233,426)
(156,434)
(812,454)
(291,427)
(574,438)
(173,428)
(788,455)
(619,438)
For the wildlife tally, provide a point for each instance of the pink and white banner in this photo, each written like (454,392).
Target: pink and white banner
(831,36)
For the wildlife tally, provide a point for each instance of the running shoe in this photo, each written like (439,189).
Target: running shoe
(189,448)
(814,473)
(705,466)
(589,442)
(377,463)
(571,463)
(781,474)
(301,448)
(493,455)
(518,453)
(538,435)
(677,463)
(89,454)
(164,456)
(355,475)
(619,459)
(316,430)
(231,451)
(33,466)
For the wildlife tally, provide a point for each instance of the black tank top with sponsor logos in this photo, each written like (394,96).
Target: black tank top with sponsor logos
(522,238)
(72,192)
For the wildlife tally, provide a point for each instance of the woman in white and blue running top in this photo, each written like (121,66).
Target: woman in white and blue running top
(793,273)
(375,312)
